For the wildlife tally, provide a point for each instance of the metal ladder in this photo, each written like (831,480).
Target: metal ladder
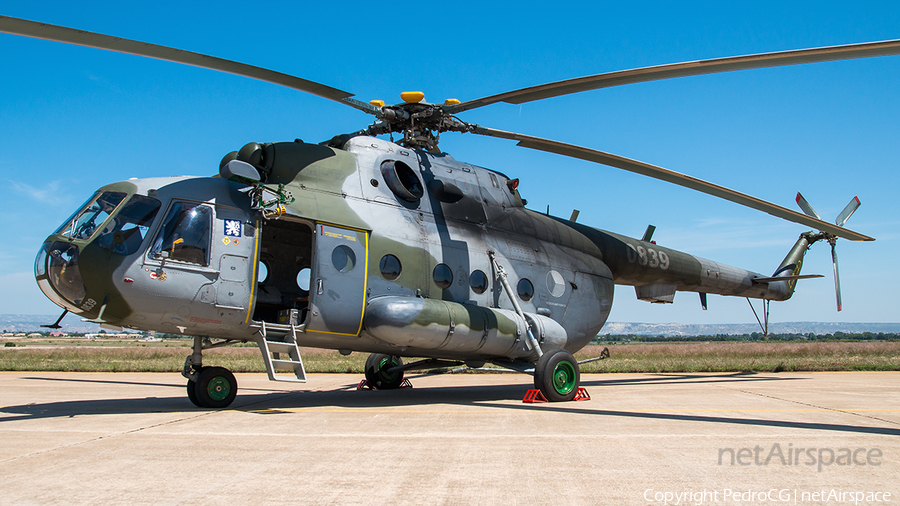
(274,350)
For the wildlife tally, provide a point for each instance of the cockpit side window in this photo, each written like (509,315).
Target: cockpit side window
(124,234)
(184,235)
(92,214)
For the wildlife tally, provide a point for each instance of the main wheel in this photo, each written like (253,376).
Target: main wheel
(215,387)
(376,371)
(557,376)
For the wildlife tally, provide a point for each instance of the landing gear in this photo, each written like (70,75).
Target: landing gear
(208,387)
(215,388)
(377,374)
(557,375)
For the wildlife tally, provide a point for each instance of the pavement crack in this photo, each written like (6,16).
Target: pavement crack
(106,436)
(191,415)
(849,412)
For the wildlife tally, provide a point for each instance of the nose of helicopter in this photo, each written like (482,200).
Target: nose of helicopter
(78,257)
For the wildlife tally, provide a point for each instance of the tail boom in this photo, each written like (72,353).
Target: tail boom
(683,272)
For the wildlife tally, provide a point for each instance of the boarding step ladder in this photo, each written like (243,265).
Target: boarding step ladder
(278,344)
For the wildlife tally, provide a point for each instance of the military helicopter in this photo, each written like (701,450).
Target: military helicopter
(396,249)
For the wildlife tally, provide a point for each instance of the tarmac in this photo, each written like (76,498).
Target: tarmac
(658,439)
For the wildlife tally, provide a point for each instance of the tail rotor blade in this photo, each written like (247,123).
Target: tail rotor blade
(837,277)
(847,212)
(804,205)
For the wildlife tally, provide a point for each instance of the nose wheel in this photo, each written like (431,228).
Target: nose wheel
(215,388)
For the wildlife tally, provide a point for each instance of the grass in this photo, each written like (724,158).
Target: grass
(161,359)
(757,357)
(130,356)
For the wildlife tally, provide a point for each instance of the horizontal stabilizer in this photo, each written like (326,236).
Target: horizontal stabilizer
(786,278)
(657,293)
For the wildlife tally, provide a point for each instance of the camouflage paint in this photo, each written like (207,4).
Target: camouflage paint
(465,213)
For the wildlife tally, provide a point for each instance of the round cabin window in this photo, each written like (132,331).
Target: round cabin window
(443,276)
(262,272)
(303,278)
(478,281)
(343,258)
(390,267)
(525,289)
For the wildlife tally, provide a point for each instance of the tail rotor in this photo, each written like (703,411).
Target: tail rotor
(832,239)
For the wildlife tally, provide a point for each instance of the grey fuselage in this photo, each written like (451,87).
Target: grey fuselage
(384,249)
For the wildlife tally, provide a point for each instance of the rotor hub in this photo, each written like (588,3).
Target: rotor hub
(421,123)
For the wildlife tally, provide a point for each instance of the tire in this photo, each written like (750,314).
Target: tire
(376,373)
(557,375)
(192,393)
(215,387)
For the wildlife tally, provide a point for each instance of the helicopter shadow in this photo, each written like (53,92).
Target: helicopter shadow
(264,401)
(681,378)
(497,396)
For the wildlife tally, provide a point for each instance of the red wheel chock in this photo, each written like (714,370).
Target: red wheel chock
(582,395)
(365,385)
(534,395)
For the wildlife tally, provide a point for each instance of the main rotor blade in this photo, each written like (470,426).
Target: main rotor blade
(56,33)
(847,212)
(670,176)
(806,207)
(684,69)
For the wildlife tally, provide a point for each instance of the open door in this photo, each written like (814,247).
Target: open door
(338,288)
(283,272)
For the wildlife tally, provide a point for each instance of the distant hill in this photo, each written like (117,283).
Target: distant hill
(690,329)
(73,323)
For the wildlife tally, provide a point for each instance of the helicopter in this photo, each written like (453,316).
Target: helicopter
(395,249)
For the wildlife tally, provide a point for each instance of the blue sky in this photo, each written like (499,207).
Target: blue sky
(73,119)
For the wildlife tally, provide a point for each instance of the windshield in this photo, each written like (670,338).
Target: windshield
(92,214)
(124,234)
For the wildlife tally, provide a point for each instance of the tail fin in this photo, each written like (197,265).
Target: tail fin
(789,270)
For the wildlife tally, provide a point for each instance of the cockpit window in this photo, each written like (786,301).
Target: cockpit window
(92,214)
(126,231)
(184,235)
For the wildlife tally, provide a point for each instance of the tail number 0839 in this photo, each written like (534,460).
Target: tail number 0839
(648,256)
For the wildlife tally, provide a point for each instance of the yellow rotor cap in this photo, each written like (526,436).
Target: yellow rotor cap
(412,97)
(377,103)
(451,101)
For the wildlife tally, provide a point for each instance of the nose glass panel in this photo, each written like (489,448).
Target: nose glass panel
(64,273)
(92,214)
(40,261)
